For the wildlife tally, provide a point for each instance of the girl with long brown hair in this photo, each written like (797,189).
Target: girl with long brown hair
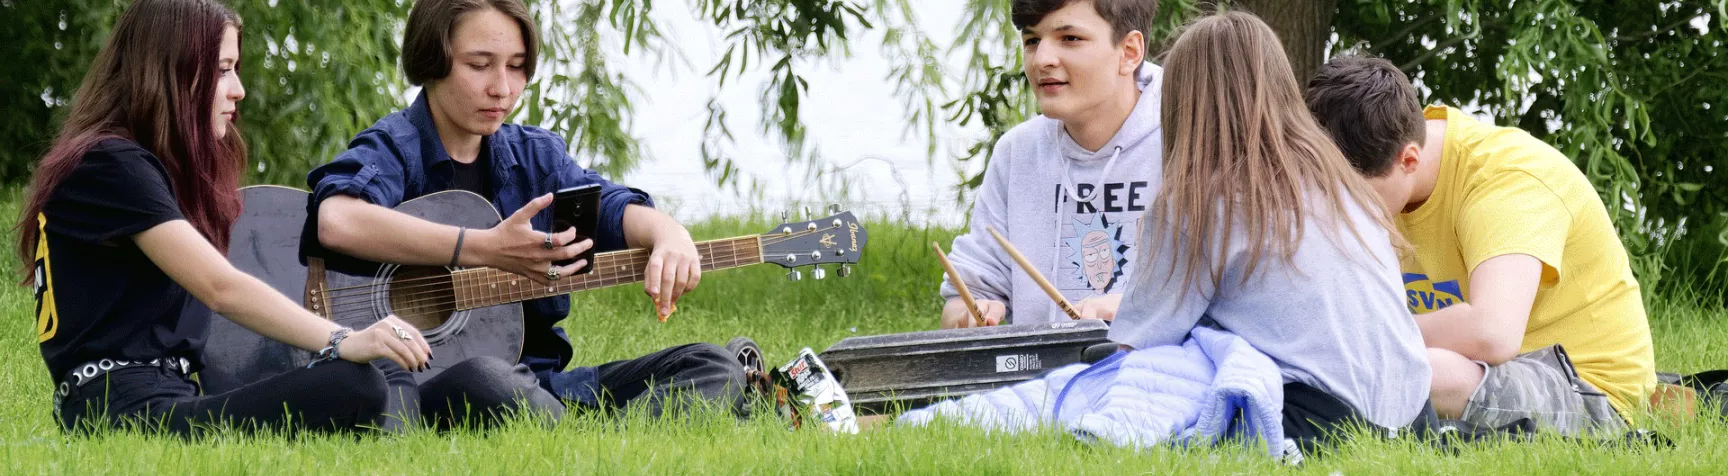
(123,234)
(1263,229)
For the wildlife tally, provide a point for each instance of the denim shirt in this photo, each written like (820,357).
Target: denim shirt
(401,158)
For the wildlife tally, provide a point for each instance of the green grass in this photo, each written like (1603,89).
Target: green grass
(892,291)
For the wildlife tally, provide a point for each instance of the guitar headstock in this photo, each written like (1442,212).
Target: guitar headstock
(838,238)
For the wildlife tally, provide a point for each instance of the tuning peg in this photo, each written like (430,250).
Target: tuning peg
(807,216)
(833,209)
(844,271)
(794,275)
(785,216)
(818,273)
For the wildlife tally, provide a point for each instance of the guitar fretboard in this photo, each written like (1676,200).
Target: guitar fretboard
(482,287)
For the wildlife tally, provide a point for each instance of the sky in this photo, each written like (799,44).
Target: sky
(853,117)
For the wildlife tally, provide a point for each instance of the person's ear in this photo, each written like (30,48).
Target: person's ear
(1409,157)
(1133,52)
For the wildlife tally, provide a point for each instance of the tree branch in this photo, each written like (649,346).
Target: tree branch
(1405,33)
(1647,34)
(1440,48)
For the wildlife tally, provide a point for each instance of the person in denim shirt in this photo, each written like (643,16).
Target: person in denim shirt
(473,58)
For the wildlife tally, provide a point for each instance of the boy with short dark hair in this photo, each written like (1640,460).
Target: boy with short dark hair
(1068,187)
(1528,304)
(474,57)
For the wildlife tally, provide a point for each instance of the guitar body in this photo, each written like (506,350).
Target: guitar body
(266,244)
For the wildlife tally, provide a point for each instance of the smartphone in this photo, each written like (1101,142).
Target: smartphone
(579,208)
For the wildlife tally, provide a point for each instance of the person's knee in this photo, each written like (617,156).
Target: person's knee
(715,360)
(492,383)
(361,385)
(486,378)
(487,366)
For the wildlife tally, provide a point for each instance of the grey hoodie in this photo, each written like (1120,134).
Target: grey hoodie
(1084,247)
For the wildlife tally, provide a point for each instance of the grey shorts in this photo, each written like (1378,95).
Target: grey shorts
(1542,386)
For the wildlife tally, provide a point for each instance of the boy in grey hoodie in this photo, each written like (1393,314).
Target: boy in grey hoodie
(1068,187)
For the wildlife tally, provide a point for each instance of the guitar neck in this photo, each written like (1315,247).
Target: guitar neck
(482,287)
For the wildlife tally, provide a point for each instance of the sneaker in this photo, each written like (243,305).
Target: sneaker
(755,365)
(748,353)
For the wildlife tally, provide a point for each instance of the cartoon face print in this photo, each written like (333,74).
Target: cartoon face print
(1098,252)
(1099,265)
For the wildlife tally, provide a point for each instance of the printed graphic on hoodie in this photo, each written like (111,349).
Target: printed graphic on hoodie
(1098,235)
(1097,251)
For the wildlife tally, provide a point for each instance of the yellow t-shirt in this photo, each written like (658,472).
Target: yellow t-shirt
(1501,191)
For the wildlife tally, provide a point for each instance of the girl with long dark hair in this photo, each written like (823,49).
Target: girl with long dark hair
(123,235)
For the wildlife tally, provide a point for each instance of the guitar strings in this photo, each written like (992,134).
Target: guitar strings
(418,302)
(345,299)
(595,282)
(726,250)
(612,255)
(722,254)
(765,240)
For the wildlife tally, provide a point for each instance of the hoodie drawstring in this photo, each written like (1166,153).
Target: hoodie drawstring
(1074,193)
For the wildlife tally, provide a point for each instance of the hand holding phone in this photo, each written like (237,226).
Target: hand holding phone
(579,208)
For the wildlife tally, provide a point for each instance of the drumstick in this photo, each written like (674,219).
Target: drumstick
(959,285)
(1036,277)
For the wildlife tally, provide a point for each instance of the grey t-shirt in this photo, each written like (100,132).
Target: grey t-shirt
(1333,317)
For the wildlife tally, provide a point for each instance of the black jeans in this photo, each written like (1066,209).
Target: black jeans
(330,397)
(655,382)
(690,374)
(478,392)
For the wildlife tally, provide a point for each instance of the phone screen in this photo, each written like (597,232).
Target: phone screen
(579,208)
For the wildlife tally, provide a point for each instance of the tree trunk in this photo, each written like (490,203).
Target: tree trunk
(1305,27)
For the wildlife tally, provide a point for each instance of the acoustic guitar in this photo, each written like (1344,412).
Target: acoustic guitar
(463,312)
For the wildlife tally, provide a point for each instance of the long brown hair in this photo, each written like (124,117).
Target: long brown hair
(1242,150)
(154,82)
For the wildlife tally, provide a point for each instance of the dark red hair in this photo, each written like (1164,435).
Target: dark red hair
(154,83)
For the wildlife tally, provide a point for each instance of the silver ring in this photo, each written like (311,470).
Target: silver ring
(401,333)
(552,273)
(548,243)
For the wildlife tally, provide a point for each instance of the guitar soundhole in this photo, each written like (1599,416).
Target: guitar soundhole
(422,296)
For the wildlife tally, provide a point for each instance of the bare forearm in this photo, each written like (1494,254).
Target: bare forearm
(644,227)
(1463,329)
(1490,326)
(1448,327)
(363,230)
(256,306)
(189,260)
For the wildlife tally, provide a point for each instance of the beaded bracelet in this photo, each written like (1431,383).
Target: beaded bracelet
(329,352)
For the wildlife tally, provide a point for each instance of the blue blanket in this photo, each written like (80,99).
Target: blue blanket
(1212,387)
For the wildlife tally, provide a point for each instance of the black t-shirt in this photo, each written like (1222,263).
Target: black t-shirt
(474,177)
(97,295)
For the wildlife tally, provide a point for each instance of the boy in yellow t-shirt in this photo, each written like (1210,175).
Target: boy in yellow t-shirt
(1523,291)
